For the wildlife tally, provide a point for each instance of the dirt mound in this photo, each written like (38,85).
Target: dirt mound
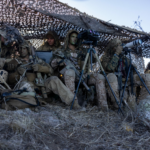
(57,128)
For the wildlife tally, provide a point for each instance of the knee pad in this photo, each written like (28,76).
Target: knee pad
(112,77)
(100,77)
(70,72)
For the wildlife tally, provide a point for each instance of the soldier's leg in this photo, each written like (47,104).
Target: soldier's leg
(55,85)
(69,78)
(114,84)
(99,81)
(143,92)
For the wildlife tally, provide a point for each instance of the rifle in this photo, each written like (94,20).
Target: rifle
(39,81)
(70,64)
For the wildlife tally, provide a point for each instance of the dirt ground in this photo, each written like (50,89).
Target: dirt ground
(54,127)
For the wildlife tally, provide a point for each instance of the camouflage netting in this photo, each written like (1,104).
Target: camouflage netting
(34,17)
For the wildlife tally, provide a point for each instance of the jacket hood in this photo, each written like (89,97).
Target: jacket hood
(54,35)
(66,42)
(113,44)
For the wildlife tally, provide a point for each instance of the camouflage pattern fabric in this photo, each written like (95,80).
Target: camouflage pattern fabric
(113,63)
(46,47)
(11,35)
(110,63)
(78,55)
(6,51)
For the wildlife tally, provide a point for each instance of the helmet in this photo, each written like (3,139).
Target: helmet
(25,45)
(3,76)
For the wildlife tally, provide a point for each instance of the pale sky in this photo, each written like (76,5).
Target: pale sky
(120,12)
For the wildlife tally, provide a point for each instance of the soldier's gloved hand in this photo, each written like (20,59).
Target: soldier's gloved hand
(35,67)
(2,63)
(12,65)
(119,50)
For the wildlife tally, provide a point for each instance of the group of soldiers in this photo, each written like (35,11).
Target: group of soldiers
(18,62)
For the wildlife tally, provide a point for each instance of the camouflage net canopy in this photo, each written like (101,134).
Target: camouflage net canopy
(34,18)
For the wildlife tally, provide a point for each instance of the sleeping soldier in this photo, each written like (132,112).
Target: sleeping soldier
(72,50)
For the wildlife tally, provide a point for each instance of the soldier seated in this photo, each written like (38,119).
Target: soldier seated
(72,50)
(29,73)
(112,64)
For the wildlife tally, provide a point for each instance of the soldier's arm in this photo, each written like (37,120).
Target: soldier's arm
(113,63)
(42,67)
(109,63)
(55,59)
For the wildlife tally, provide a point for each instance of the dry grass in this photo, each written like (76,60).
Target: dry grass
(57,128)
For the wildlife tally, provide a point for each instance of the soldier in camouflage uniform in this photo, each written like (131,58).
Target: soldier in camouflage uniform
(52,84)
(72,50)
(110,63)
(51,43)
(9,37)
(143,94)
(147,70)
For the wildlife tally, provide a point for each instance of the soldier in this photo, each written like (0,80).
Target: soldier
(52,84)
(71,49)
(110,63)
(147,70)
(51,43)
(10,36)
(143,94)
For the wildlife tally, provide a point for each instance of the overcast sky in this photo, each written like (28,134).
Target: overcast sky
(120,12)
